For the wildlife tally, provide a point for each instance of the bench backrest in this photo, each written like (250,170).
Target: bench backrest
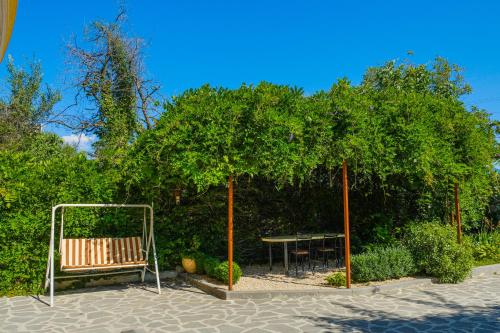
(101,252)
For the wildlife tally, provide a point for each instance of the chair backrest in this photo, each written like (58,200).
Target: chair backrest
(100,252)
(303,239)
(330,238)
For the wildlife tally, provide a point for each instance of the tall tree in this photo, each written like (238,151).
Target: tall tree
(27,106)
(111,77)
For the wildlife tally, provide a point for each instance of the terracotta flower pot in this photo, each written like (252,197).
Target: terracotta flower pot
(189,265)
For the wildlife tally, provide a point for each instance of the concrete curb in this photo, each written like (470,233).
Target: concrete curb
(222,293)
(489,269)
(219,291)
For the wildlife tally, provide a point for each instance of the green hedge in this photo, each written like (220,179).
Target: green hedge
(436,251)
(382,263)
(31,182)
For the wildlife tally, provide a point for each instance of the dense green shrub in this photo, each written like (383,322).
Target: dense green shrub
(382,263)
(486,247)
(336,279)
(31,182)
(436,251)
(222,272)
(210,264)
(213,267)
(199,259)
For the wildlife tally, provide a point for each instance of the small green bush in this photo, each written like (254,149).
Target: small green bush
(382,263)
(486,247)
(400,262)
(222,272)
(337,279)
(369,266)
(436,251)
(199,259)
(209,265)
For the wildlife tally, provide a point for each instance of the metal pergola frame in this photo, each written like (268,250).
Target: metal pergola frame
(148,236)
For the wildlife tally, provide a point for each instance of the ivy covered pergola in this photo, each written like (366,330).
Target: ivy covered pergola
(210,137)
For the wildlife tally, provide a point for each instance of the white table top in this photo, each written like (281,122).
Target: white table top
(292,238)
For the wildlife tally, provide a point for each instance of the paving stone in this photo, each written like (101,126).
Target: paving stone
(377,329)
(99,314)
(468,307)
(281,328)
(207,330)
(229,328)
(155,324)
(10,328)
(256,330)
(486,330)
(170,328)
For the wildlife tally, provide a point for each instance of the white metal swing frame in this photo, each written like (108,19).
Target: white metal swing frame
(147,237)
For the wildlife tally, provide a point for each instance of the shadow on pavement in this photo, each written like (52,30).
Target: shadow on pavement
(462,319)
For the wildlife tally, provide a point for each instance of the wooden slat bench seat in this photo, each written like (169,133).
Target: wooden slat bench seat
(79,254)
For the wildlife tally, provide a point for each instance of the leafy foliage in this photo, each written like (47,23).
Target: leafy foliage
(110,85)
(437,253)
(382,263)
(27,106)
(210,264)
(486,247)
(31,181)
(199,259)
(336,279)
(110,75)
(404,132)
(207,134)
(412,138)
(221,272)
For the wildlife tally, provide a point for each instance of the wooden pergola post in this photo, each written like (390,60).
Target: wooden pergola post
(458,215)
(345,188)
(230,230)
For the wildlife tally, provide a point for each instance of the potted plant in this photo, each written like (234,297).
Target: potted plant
(188,256)
(188,263)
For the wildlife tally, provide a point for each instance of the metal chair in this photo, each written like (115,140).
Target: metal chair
(329,246)
(302,251)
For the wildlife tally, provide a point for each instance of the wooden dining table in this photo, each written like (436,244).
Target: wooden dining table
(292,238)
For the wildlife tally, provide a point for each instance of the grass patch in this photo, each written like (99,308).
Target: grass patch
(486,262)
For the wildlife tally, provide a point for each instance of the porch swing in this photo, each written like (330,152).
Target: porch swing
(99,256)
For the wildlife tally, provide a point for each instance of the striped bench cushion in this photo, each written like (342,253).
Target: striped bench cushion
(95,253)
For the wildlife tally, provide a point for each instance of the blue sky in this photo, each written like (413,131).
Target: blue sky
(304,43)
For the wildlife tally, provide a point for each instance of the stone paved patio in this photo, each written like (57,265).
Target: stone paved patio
(473,306)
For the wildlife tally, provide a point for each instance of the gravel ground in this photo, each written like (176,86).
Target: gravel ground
(258,277)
